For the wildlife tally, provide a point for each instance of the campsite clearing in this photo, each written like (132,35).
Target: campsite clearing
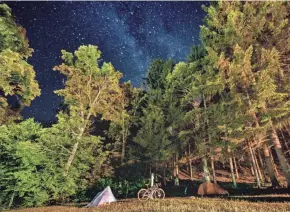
(174,204)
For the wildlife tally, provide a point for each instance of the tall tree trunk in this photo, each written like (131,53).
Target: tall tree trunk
(232,169)
(274,164)
(233,172)
(258,166)
(255,167)
(255,163)
(11,200)
(70,159)
(177,174)
(282,159)
(190,163)
(176,180)
(236,168)
(190,170)
(124,133)
(205,169)
(287,128)
(75,148)
(269,166)
(123,149)
(174,168)
(213,169)
(260,158)
(164,173)
(262,164)
(204,159)
(252,168)
(284,140)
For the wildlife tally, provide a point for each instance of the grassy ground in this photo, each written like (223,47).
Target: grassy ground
(173,204)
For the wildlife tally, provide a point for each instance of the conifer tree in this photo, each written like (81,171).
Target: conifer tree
(157,73)
(128,105)
(152,135)
(244,35)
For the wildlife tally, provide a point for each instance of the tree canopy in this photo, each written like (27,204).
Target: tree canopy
(226,106)
(17,76)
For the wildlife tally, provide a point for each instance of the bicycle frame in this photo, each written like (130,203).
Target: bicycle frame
(149,193)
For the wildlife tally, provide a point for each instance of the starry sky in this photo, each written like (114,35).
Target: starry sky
(129,34)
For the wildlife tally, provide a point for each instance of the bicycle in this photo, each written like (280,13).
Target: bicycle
(153,192)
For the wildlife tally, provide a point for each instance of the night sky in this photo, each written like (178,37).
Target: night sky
(129,34)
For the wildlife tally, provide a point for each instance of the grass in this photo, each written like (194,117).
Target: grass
(184,204)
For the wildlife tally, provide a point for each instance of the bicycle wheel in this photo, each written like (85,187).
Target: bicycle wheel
(159,194)
(142,194)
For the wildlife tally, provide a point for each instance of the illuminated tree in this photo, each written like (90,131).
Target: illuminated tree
(89,91)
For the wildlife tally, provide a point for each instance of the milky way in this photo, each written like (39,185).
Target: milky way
(129,34)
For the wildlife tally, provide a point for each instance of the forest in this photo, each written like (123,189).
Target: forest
(222,115)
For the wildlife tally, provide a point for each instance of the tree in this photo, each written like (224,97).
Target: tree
(166,93)
(89,163)
(196,53)
(152,135)
(203,114)
(89,91)
(128,106)
(157,73)
(244,35)
(12,35)
(178,84)
(27,173)
(17,76)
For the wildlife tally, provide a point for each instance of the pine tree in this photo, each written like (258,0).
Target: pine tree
(152,135)
(244,35)
(126,117)
(157,73)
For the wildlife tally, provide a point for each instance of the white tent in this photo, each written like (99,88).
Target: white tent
(105,196)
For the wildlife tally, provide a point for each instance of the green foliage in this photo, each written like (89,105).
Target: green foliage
(90,90)
(152,135)
(122,188)
(233,88)
(121,129)
(196,53)
(162,112)
(246,39)
(33,159)
(26,171)
(157,73)
(12,36)
(260,24)
(127,181)
(17,76)
(87,167)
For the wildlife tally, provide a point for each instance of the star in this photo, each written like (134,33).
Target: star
(129,34)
